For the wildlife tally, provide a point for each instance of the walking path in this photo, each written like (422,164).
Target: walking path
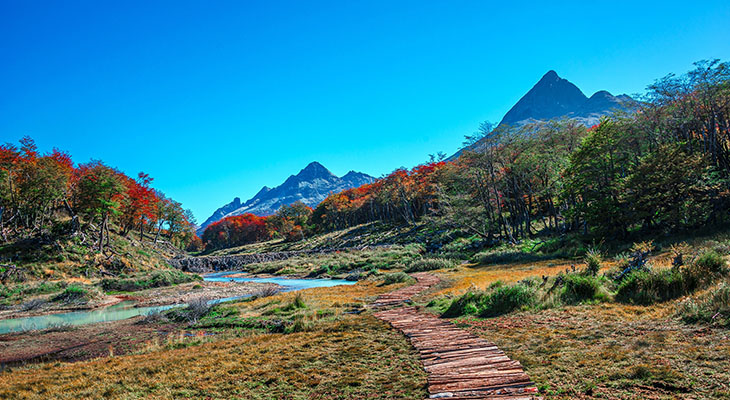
(460,365)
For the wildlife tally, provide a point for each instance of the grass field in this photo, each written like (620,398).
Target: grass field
(357,357)
(334,348)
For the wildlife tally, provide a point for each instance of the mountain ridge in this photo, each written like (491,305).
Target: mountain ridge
(310,185)
(553,97)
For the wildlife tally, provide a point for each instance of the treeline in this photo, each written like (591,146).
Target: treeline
(42,195)
(291,222)
(404,195)
(665,166)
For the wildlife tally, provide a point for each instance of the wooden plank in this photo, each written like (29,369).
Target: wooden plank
(460,364)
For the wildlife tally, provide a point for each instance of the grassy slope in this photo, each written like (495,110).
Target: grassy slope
(68,257)
(361,235)
(48,267)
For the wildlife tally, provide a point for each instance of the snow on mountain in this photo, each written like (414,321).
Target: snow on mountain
(310,186)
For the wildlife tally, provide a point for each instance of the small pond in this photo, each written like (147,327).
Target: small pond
(127,309)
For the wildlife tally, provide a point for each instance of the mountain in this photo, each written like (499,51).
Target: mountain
(554,97)
(311,185)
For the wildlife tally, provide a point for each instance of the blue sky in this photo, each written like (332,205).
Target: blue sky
(215,99)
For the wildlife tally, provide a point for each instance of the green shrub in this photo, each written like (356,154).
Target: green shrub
(713,308)
(579,288)
(593,261)
(498,300)
(466,304)
(75,293)
(430,264)
(712,262)
(414,249)
(648,287)
(296,304)
(396,277)
(496,284)
(506,299)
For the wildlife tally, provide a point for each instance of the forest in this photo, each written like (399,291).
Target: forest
(43,196)
(663,168)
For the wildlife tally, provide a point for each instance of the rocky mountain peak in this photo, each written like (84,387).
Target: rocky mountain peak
(310,186)
(551,97)
(315,170)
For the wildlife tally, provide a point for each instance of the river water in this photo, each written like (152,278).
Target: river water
(127,309)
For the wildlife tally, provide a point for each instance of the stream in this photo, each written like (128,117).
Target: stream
(128,309)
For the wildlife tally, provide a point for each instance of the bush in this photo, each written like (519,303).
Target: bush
(648,287)
(713,308)
(498,301)
(266,291)
(430,264)
(73,293)
(703,271)
(396,277)
(296,304)
(579,288)
(196,309)
(593,261)
(506,299)
(712,262)
(465,304)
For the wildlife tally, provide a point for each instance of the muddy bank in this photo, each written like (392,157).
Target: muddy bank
(83,342)
(76,343)
(189,291)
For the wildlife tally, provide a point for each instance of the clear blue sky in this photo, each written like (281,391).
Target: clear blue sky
(216,99)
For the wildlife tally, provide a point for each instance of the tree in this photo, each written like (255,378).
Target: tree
(292,222)
(594,179)
(140,206)
(98,195)
(671,189)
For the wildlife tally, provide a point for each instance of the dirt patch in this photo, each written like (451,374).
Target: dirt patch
(82,342)
(185,292)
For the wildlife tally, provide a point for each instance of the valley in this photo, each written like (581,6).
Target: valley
(576,250)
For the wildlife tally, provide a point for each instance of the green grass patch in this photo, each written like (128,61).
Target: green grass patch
(499,300)
(430,264)
(153,279)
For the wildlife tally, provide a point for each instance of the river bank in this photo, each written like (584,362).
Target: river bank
(167,295)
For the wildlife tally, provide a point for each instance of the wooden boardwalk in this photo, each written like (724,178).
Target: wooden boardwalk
(460,365)
(403,295)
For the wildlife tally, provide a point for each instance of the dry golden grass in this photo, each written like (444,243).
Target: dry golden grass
(335,298)
(606,350)
(613,351)
(481,276)
(358,357)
